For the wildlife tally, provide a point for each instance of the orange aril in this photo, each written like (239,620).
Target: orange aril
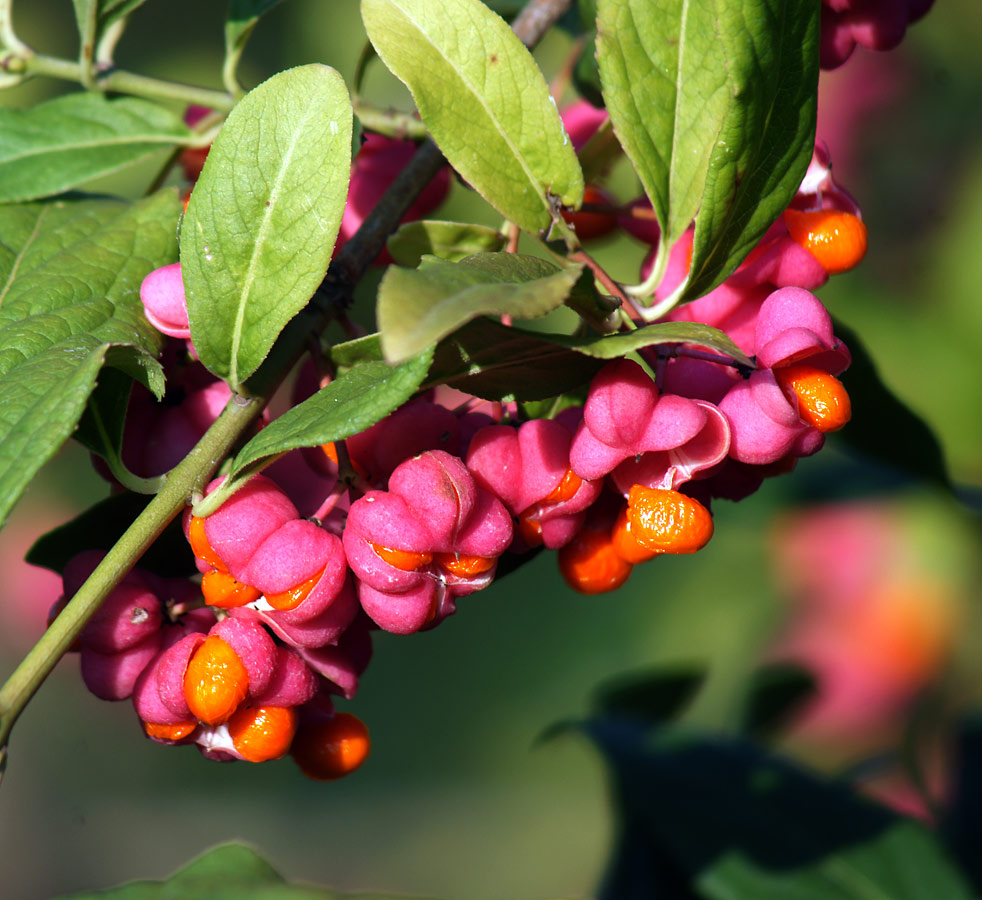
(223,591)
(331,452)
(819,398)
(530,531)
(331,748)
(174,732)
(837,239)
(200,546)
(566,489)
(626,545)
(667,521)
(261,733)
(216,682)
(293,597)
(590,565)
(407,560)
(463,565)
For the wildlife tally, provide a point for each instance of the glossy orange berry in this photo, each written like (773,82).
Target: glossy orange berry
(292,598)
(223,591)
(820,399)
(407,560)
(261,733)
(589,564)
(174,732)
(837,239)
(667,521)
(463,565)
(626,545)
(200,546)
(216,682)
(332,748)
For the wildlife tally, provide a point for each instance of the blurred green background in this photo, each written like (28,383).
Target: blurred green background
(457,799)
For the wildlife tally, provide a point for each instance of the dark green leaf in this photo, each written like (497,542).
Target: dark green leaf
(962,823)
(653,696)
(447,240)
(242,18)
(746,825)
(57,145)
(495,362)
(502,131)
(714,103)
(70,274)
(614,346)
(418,307)
(882,427)
(777,692)
(100,526)
(263,217)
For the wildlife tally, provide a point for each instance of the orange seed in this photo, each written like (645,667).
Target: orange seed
(262,733)
(837,239)
(332,748)
(668,521)
(216,682)
(590,565)
(223,591)
(407,560)
(820,399)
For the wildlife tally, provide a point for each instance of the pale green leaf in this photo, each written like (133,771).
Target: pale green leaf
(70,274)
(448,240)
(418,307)
(263,218)
(354,401)
(59,144)
(714,103)
(484,100)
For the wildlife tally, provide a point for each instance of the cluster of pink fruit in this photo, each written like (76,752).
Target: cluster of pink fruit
(389,528)
(873,24)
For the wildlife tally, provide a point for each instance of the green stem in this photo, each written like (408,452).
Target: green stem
(122,82)
(7,37)
(188,476)
(393,124)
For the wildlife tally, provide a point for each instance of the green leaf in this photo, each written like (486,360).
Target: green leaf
(100,526)
(263,217)
(357,399)
(57,145)
(496,362)
(418,307)
(70,274)
(746,825)
(614,346)
(777,692)
(227,872)
(242,18)
(447,240)
(502,131)
(654,696)
(879,418)
(714,103)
